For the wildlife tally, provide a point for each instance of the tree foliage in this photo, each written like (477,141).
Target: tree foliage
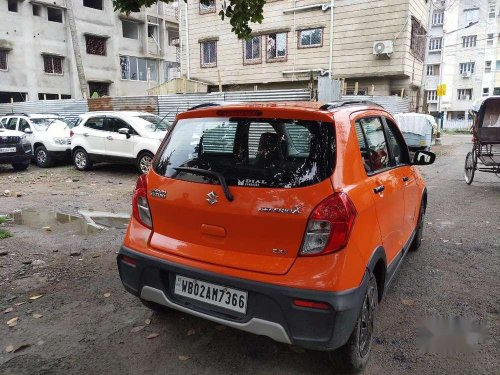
(239,12)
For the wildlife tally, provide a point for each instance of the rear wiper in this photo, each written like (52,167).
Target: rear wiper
(204,172)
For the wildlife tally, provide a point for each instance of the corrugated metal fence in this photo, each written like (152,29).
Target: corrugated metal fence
(392,104)
(169,105)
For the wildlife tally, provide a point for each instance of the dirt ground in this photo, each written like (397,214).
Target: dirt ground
(84,321)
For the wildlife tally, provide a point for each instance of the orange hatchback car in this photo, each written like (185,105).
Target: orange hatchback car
(284,220)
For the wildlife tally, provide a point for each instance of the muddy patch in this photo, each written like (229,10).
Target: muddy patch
(79,222)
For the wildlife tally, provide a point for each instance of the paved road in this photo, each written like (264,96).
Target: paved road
(87,317)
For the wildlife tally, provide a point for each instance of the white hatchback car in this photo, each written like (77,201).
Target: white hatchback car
(48,134)
(117,137)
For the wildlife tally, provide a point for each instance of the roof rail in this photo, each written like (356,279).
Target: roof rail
(204,105)
(333,105)
(16,114)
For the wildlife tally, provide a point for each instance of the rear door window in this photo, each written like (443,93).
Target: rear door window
(373,144)
(96,123)
(23,125)
(250,152)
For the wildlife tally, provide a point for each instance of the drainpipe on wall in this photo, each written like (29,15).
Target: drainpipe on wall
(76,49)
(330,63)
(188,63)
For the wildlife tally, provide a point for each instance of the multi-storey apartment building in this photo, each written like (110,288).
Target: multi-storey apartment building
(52,49)
(462,53)
(379,44)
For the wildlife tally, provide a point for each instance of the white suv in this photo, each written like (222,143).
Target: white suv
(117,137)
(48,134)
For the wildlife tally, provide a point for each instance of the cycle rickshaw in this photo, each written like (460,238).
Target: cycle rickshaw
(485,154)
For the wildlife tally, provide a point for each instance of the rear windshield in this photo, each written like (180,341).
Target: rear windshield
(250,152)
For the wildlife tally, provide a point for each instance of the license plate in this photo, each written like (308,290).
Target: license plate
(216,295)
(7,149)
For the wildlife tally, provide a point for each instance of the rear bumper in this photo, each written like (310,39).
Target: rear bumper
(61,155)
(270,308)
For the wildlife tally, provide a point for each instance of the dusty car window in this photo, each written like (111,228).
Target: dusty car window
(376,147)
(250,152)
(398,149)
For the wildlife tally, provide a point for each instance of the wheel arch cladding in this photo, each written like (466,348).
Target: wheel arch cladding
(37,144)
(424,199)
(76,149)
(145,151)
(378,267)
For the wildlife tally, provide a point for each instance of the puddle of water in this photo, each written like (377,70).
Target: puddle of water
(80,222)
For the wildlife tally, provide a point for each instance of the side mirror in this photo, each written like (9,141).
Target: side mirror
(423,158)
(28,131)
(124,131)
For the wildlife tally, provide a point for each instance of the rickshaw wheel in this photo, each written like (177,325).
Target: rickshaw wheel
(470,167)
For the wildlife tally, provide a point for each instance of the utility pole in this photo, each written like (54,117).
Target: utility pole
(76,49)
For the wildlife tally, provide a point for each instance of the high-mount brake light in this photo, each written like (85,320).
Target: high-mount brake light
(239,113)
(329,226)
(140,206)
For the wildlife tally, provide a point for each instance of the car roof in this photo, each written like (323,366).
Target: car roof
(118,113)
(316,106)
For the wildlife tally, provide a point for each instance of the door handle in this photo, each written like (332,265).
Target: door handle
(85,134)
(406,179)
(109,137)
(379,189)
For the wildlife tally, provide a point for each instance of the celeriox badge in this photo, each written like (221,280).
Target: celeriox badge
(282,210)
(157,193)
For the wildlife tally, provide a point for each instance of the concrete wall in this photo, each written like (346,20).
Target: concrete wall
(357,25)
(28,36)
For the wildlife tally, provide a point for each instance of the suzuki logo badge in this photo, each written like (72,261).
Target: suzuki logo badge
(212,198)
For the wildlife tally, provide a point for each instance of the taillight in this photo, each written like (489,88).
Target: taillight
(71,133)
(140,206)
(329,226)
(311,304)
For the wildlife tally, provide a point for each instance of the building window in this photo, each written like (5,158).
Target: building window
(471,15)
(12,6)
(418,38)
(46,96)
(310,38)
(252,50)
(95,45)
(467,67)
(130,30)
(433,70)
(98,89)
(486,91)
(173,38)
(136,68)
(469,41)
(487,66)
(95,4)
(435,44)
(53,64)
(489,39)
(277,47)
(207,8)
(464,94)
(55,15)
(37,9)
(437,18)
(3,60)
(208,54)
(498,65)
(496,91)
(431,95)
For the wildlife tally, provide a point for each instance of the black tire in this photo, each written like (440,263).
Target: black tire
(353,356)
(417,240)
(470,167)
(43,158)
(156,307)
(81,160)
(18,167)
(143,160)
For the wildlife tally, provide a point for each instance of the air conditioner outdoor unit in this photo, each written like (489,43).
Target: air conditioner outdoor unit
(383,47)
(466,74)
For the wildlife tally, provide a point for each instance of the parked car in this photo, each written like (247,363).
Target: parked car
(15,149)
(117,137)
(47,133)
(418,129)
(285,220)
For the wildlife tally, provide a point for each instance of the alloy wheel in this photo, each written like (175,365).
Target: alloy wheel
(80,160)
(41,157)
(145,163)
